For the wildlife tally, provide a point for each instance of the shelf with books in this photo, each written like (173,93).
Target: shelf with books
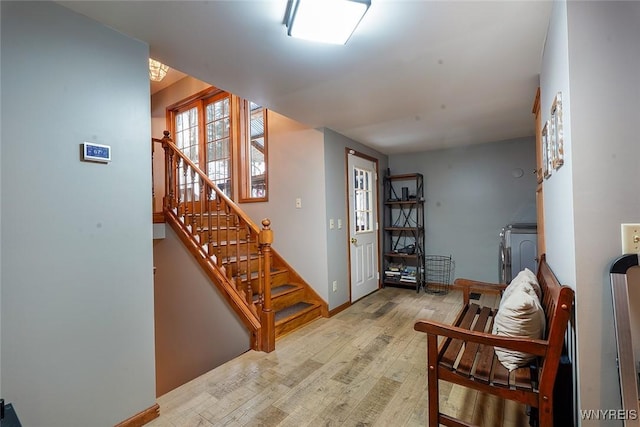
(404,230)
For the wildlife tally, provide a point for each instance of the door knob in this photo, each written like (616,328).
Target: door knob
(354,240)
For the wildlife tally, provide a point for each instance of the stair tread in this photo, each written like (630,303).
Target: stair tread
(280,289)
(254,274)
(293,310)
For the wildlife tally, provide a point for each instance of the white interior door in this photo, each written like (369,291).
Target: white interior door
(363,226)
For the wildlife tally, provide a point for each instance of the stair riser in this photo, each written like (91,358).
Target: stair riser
(278,278)
(281,301)
(295,323)
(242,268)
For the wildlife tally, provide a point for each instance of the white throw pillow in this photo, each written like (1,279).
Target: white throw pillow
(519,315)
(525,279)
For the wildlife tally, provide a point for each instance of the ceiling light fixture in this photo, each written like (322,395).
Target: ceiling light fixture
(157,70)
(327,21)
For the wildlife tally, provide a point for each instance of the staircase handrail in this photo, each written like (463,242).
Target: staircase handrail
(236,209)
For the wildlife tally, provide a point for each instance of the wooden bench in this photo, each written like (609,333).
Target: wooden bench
(466,353)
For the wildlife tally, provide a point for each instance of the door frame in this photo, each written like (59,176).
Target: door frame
(352,152)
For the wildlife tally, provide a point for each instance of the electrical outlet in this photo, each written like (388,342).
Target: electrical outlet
(335,286)
(298,203)
(339,224)
(630,234)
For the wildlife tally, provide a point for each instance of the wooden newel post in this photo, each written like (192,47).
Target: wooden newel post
(267,316)
(169,185)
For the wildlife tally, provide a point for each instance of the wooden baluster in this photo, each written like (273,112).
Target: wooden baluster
(236,223)
(248,252)
(210,248)
(178,196)
(218,226)
(227,222)
(260,280)
(169,173)
(185,198)
(193,193)
(267,316)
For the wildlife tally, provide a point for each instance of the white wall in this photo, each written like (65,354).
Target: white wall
(77,287)
(591,56)
(296,170)
(470,194)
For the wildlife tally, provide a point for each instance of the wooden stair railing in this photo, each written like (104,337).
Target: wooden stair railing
(224,240)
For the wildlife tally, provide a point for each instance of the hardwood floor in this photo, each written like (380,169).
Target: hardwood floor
(365,366)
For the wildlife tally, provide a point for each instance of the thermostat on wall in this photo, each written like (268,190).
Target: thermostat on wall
(96,152)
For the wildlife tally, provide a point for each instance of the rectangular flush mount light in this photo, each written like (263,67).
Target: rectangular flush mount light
(327,21)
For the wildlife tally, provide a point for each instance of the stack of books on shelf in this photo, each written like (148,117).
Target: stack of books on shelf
(394,271)
(409,274)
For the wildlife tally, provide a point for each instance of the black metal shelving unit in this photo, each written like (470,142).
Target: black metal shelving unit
(404,231)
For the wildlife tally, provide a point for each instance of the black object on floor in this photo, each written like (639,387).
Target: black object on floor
(9,417)
(474,295)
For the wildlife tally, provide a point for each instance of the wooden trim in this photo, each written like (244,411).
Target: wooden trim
(536,103)
(359,154)
(339,309)
(205,93)
(141,418)
(158,218)
(244,153)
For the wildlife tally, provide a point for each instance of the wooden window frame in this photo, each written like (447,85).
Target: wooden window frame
(239,140)
(201,100)
(244,155)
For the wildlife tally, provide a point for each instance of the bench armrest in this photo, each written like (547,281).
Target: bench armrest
(469,286)
(527,345)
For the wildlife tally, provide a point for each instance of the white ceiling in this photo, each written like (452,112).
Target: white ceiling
(416,75)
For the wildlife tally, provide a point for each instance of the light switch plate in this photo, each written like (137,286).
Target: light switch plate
(630,235)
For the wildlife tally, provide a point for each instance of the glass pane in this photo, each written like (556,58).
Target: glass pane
(209,112)
(187,133)
(363,200)
(210,131)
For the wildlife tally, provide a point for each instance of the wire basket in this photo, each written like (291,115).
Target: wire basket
(437,274)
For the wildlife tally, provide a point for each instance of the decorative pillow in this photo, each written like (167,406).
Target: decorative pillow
(525,279)
(519,315)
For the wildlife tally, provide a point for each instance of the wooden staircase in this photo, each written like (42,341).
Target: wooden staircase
(268,295)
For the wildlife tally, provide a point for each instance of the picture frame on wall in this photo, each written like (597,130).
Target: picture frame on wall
(558,134)
(546,150)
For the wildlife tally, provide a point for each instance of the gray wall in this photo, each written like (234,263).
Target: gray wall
(470,194)
(335,166)
(191,317)
(77,286)
(592,56)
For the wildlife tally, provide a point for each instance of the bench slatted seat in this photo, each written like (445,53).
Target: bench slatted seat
(466,355)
